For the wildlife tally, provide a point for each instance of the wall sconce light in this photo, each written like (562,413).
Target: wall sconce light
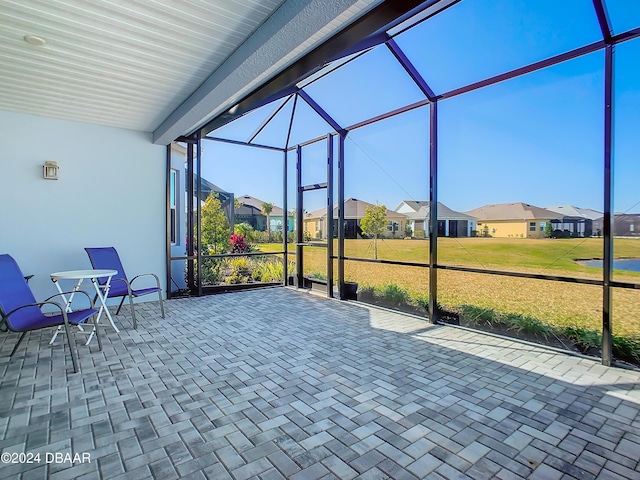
(50,170)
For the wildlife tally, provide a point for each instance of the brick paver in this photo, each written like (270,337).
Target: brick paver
(277,383)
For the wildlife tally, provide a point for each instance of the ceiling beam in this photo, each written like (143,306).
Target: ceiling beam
(297,27)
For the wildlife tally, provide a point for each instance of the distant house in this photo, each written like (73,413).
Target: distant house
(226,198)
(624,225)
(575,221)
(450,222)
(315,223)
(518,220)
(250,211)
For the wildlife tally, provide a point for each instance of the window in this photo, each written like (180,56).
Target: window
(543,225)
(172,205)
(393,226)
(532,226)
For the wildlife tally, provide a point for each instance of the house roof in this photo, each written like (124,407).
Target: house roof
(422,212)
(257,203)
(415,205)
(353,209)
(208,187)
(513,211)
(571,211)
(621,217)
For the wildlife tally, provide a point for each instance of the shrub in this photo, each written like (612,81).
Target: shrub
(211,271)
(393,294)
(422,301)
(238,243)
(627,348)
(318,275)
(366,292)
(240,265)
(584,337)
(236,278)
(419,234)
(245,230)
(479,315)
(525,323)
(260,237)
(268,271)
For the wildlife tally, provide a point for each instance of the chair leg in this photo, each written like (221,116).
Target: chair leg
(74,358)
(161,304)
(120,306)
(95,325)
(18,344)
(133,312)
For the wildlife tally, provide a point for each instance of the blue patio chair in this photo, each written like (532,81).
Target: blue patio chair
(20,312)
(108,258)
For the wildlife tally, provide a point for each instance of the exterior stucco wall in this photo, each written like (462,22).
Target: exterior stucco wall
(511,228)
(315,225)
(110,192)
(503,229)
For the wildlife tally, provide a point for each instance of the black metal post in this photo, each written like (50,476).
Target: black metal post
(607,264)
(330,216)
(341,292)
(191,237)
(433,212)
(168,218)
(320,111)
(285,220)
(299,219)
(199,211)
(603,20)
(411,69)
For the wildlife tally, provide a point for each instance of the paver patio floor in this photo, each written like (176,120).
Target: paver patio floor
(277,383)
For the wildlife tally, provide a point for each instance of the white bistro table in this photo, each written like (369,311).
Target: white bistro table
(101,292)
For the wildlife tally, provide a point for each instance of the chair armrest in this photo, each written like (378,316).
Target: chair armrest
(39,305)
(147,275)
(5,318)
(70,293)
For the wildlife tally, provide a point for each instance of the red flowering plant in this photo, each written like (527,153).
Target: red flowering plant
(238,244)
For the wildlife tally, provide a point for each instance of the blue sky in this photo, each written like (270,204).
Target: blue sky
(536,138)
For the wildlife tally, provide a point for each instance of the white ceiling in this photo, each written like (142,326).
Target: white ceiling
(123,63)
(132,63)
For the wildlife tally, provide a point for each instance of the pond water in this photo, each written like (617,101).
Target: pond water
(629,264)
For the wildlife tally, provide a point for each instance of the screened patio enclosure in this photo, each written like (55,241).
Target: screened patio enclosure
(509,105)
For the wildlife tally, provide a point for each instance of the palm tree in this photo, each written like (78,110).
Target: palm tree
(267,208)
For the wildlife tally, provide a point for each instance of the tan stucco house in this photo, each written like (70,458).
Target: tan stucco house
(315,222)
(513,220)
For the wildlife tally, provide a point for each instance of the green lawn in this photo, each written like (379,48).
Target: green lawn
(552,256)
(557,303)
